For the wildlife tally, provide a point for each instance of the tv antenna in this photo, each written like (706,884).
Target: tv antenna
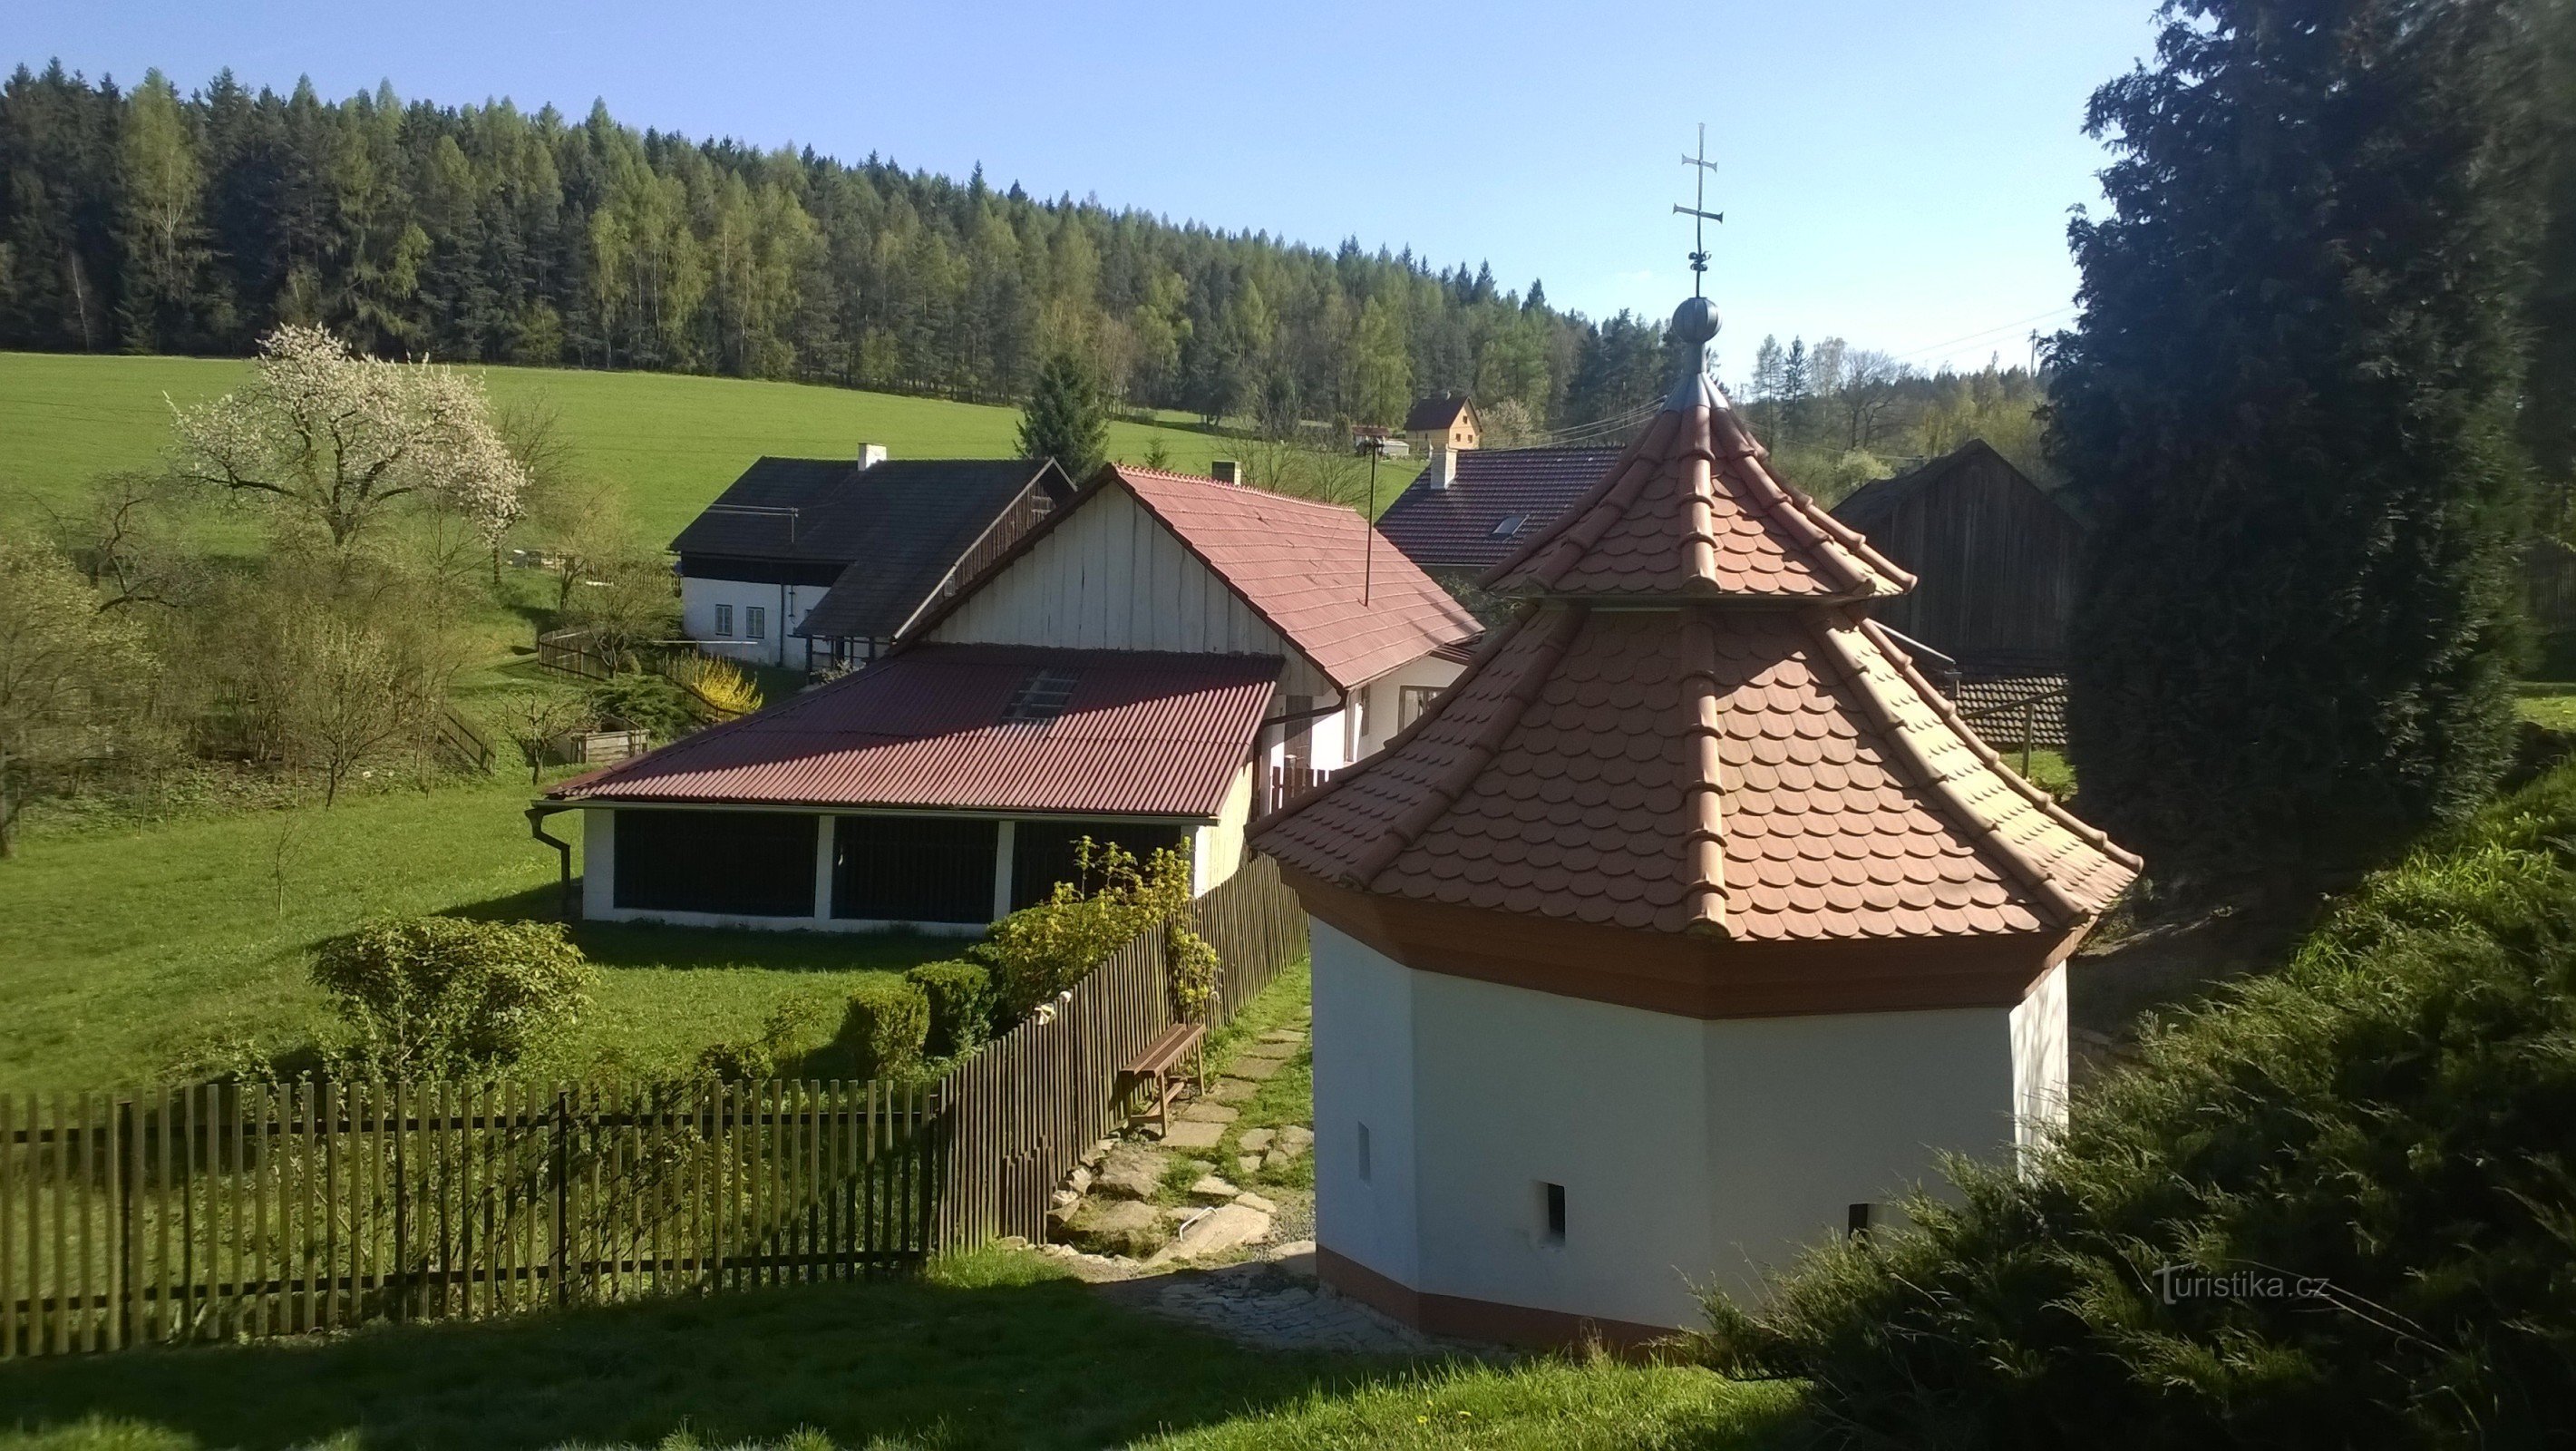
(1698,211)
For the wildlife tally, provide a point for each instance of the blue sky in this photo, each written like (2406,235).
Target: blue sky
(1894,171)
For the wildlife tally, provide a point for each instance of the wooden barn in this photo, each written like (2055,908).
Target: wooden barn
(1996,558)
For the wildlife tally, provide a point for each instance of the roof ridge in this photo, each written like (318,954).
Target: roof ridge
(1253,490)
(1443,792)
(1705,793)
(1942,706)
(2036,879)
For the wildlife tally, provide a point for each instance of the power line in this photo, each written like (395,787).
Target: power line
(2040,317)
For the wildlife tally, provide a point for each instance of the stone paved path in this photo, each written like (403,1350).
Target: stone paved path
(1272,1303)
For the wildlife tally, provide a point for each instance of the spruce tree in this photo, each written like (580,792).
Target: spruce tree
(1066,419)
(2286,405)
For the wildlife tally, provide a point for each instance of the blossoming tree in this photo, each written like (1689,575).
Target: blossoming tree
(335,438)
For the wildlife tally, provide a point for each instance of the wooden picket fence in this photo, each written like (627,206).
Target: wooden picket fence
(235,1211)
(1022,1110)
(219,1212)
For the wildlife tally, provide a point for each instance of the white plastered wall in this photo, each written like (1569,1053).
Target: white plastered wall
(1694,1154)
(783,608)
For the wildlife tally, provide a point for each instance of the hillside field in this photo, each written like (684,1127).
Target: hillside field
(673,441)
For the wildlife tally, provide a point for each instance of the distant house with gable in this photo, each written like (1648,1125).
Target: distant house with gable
(1444,420)
(804,563)
(1153,663)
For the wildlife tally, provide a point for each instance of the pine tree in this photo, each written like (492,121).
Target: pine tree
(1066,418)
(2286,404)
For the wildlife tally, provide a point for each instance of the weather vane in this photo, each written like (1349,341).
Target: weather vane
(1697,211)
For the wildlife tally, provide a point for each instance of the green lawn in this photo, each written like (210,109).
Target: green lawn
(130,951)
(990,1350)
(2549,703)
(673,442)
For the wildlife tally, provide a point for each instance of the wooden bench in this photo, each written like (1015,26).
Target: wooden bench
(1159,1064)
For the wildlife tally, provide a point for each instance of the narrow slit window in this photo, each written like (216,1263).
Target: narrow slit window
(1554,1197)
(1365,1166)
(1856,1220)
(1042,696)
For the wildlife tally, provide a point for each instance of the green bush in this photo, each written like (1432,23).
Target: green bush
(1038,952)
(645,702)
(2372,1147)
(961,1003)
(889,1020)
(788,1032)
(432,996)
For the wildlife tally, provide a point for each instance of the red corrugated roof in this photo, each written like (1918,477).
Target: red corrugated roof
(1698,730)
(1141,734)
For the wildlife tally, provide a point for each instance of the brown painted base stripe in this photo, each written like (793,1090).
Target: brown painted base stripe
(1457,1317)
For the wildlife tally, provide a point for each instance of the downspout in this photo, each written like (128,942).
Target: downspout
(537,814)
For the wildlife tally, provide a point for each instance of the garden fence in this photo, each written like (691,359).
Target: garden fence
(1027,1106)
(219,1212)
(236,1211)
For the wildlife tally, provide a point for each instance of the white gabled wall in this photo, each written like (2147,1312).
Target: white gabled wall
(1694,1154)
(1110,576)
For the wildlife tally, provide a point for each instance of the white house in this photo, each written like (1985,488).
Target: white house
(1131,669)
(1686,930)
(803,562)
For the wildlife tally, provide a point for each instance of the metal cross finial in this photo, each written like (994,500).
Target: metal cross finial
(1697,211)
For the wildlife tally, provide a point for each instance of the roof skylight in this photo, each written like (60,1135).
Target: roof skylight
(1041,696)
(1510,526)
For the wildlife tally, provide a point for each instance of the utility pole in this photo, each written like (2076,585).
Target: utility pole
(1368,524)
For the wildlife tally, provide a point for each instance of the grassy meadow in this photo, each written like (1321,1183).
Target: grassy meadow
(994,1349)
(133,952)
(671,441)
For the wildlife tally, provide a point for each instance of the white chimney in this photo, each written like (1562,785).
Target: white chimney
(1226,471)
(871,455)
(1444,466)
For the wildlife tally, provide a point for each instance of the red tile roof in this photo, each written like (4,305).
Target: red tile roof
(1696,758)
(1690,510)
(1458,527)
(1296,562)
(1142,734)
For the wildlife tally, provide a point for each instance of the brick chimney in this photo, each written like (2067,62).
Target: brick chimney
(871,455)
(1226,471)
(1444,466)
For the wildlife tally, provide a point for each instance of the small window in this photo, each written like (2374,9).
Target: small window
(1415,700)
(1856,1221)
(1553,1196)
(724,621)
(755,623)
(1042,696)
(1510,525)
(1364,1153)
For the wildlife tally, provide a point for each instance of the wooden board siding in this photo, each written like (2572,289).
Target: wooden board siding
(1996,561)
(1111,577)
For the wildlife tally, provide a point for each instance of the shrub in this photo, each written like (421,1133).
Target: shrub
(447,995)
(960,995)
(889,1020)
(719,689)
(646,703)
(1038,952)
(2384,1119)
(772,1052)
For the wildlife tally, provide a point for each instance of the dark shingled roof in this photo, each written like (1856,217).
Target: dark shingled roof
(844,516)
(1455,527)
(923,519)
(1433,414)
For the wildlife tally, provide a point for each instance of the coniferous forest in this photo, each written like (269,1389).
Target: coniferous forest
(145,220)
